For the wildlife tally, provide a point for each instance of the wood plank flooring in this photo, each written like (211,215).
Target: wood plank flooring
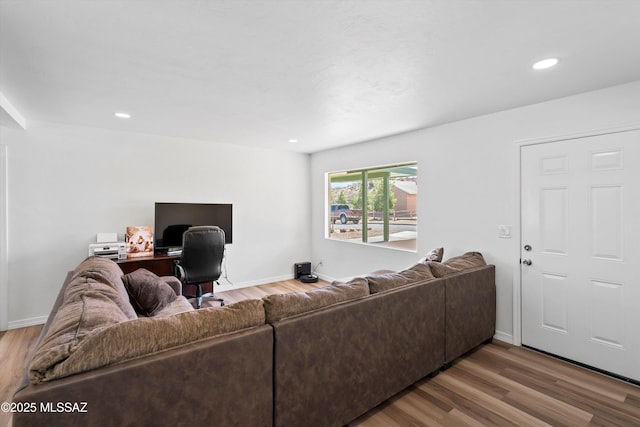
(497,384)
(15,346)
(500,384)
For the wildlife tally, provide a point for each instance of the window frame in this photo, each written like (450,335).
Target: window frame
(364,176)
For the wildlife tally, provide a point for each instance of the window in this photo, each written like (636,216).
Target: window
(375,206)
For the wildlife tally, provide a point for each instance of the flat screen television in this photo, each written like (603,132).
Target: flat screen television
(173,219)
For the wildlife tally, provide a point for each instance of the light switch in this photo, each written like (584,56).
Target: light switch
(504,231)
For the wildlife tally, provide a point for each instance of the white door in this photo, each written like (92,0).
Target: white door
(580,270)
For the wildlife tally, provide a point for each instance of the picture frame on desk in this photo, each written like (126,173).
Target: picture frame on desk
(139,241)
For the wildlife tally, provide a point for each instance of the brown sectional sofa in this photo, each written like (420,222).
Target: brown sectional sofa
(319,358)
(334,364)
(180,367)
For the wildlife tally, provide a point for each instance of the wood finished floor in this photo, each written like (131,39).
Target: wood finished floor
(496,385)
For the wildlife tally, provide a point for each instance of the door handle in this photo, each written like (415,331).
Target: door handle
(527,262)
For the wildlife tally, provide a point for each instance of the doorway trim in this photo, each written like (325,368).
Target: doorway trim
(4,239)
(519,144)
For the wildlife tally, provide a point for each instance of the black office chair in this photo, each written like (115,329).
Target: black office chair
(201,260)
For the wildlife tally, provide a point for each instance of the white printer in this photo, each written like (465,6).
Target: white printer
(113,250)
(108,247)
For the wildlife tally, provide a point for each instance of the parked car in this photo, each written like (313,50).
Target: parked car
(344,213)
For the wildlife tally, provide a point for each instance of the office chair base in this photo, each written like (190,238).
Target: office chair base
(210,297)
(199,296)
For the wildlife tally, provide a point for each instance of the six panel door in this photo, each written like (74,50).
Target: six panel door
(580,217)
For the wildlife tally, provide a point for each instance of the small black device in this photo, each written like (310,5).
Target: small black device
(301,269)
(308,278)
(302,272)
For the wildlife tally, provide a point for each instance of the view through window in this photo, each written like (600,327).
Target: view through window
(375,205)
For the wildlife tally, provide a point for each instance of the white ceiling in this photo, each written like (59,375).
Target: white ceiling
(325,72)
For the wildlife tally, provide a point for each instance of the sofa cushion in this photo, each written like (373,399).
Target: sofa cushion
(459,263)
(466,261)
(148,293)
(70,326)
(386,281)
(441,270)
(280,306)
(101,273)
(177,306)
(147,335)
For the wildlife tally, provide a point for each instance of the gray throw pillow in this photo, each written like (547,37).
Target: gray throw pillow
(148,293)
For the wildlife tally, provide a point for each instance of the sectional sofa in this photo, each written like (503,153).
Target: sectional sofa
(130,350)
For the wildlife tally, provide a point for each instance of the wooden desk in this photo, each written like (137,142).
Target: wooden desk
(162,265)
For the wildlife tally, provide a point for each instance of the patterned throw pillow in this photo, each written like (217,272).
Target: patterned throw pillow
(434,255)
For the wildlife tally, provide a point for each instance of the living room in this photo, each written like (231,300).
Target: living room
(68,179)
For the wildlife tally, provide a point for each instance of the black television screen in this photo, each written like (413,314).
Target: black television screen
(173,219)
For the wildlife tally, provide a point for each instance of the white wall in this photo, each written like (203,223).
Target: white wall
(4,260)
(466,184)
(68,183)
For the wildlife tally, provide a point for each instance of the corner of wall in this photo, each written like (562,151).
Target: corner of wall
(4,237)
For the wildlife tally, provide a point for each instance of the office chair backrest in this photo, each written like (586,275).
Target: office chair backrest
(202,254)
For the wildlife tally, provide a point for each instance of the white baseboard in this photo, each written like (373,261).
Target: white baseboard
(503,336)
(229,286)
(23,323)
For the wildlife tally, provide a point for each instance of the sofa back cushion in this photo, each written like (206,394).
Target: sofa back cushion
(456,264)
(385,281)
(466,261)
(71,324)
(101,274)
(280,306)
(126,340)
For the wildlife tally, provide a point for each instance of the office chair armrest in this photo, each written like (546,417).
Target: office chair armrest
(179,271)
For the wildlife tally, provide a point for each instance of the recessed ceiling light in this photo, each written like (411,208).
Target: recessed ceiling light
(545,63)
(293,141)
(122,115)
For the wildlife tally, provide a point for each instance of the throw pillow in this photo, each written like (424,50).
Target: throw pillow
(149,294)
(434,255)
